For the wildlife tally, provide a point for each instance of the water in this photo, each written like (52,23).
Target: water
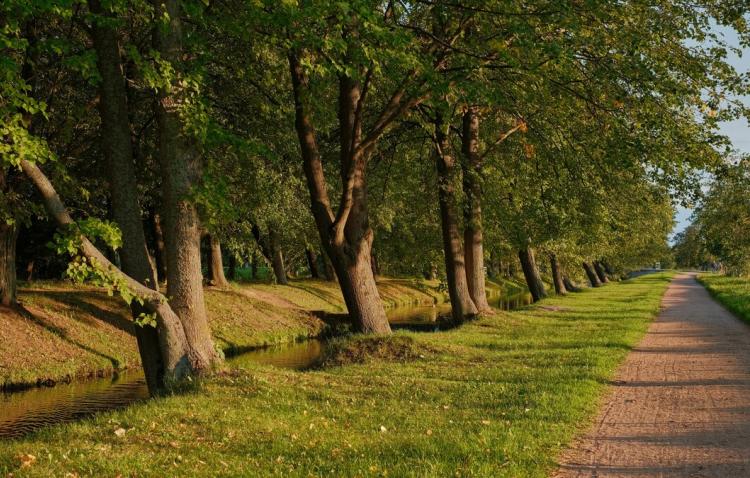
(25,411)
(515,301)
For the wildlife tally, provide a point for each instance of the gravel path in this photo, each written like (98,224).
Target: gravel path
(680,404)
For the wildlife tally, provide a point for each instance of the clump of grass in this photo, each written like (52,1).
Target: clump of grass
(362,349)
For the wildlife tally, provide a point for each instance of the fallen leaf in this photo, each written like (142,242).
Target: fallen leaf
(120,432)
(27,460)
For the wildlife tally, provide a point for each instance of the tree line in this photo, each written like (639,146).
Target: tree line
(437,138)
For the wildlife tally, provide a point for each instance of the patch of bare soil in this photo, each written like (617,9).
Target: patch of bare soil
(680,404)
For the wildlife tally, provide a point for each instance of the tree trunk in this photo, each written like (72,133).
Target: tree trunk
(557,277)
(461,304)
(375,265)
(531,273)
(472,183)
(160,251)
(123,187)
(569,286)
(346,235)
(600,272)
(328,268)
(216,276)
(591,274)
(8,235)
(312,263)
(254,267)
(180,170)
(277,257)
(172,339)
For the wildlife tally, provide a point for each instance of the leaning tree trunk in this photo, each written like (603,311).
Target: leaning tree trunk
(472,182)
(172,339)
(312,263)
(216,269)
(531,273)
(600,272)
(569,285)
(346,235)
(180,171)
(557,277)
(126,211)
(591,274)
(462,306)
(8,235)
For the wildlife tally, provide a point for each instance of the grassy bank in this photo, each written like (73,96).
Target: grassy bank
(732,292)
(497,397)
(78,331)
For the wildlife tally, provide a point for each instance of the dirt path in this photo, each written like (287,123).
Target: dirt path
(680,404)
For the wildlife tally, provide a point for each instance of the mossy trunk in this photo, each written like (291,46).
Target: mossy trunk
(531,273)
(591,274)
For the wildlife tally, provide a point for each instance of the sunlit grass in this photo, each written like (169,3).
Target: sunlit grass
(497,397)
(732,292)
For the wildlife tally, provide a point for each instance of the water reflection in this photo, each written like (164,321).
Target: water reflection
(296,356)
(25,411)
(515,301)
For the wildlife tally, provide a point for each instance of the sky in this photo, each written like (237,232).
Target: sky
(737,131)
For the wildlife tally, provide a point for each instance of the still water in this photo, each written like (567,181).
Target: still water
(25,411)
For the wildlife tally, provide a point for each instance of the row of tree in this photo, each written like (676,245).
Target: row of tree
(717,237)
(356,137)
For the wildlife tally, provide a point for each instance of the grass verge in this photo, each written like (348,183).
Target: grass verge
(497,397)
(732,292)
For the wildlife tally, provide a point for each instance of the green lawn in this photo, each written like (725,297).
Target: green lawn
(732,292)
(497,397)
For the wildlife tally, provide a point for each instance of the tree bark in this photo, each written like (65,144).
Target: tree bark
(462,306)
(126,211)
(591,274)
(557,277)
(160,251)
(180,170)
(8,279)
(472,183)
(531,273)
(172,340)
(569,286)
(312,263)
(328,268)
(277,257)
(374,264)
(216,275)
(347,235)
(600,272)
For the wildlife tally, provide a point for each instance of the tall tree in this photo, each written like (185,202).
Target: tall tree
(180,162)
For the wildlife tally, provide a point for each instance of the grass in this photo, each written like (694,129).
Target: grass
(79,331)
(499,396)
(732,292)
